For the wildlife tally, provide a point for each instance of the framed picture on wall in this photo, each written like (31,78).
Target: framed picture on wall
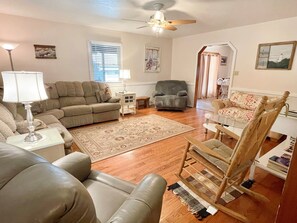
(278,55)
(152,62)
(45,52)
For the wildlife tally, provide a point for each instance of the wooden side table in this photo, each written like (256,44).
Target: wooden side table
(51,146)
(142,102)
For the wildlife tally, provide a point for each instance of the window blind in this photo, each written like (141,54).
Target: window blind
(106,60)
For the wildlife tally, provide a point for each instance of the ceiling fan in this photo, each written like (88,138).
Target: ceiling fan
(158,21)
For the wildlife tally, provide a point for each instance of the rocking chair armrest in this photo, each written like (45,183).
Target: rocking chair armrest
(205,149)
(227,131)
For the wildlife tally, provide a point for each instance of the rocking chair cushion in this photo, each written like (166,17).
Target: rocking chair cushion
(219,148)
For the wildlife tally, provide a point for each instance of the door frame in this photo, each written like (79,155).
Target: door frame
(228,43)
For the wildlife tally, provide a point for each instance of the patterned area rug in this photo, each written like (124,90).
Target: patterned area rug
(105,140)
(196,205)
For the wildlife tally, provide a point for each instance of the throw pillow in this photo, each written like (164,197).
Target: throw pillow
(97,94)
(105,95)
(22,126)
(182,93)
(7,117)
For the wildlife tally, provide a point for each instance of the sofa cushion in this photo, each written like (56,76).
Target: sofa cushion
(50,104)
(5,131)
(98,97)
(58,113)
(239,114)
(104,95)
(70,89)
(77,110)
(69,101)
(90,87)
(105,107)
(7,118)
(91,100)
(51,91)
(245,100)
(182,93)
(22,126)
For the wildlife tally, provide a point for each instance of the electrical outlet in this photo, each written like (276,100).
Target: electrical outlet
(236,73)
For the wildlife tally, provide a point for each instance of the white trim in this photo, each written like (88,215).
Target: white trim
(262,92)
(119,84)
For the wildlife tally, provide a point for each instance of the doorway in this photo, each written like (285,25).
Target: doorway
(215,64)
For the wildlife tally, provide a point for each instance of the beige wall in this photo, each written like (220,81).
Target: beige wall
(71,43)
(246,40)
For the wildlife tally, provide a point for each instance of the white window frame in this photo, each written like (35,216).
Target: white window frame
(91,70)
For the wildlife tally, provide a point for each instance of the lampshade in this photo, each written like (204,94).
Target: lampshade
(125,74)
(23,86)
(9,46)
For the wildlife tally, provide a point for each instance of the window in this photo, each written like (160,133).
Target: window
(105,61)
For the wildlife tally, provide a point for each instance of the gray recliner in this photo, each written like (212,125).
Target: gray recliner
(171,95)
(34,190)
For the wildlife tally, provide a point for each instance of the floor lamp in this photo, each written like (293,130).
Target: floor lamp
(25,87)
(9,47)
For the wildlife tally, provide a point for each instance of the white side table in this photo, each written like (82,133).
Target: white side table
(128,102)
(51,146)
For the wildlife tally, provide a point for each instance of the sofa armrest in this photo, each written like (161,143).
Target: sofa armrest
(114,100)
(219,104)
(182,93)
(145,202)
(77,164)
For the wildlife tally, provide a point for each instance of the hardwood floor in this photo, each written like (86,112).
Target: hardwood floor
(164,158)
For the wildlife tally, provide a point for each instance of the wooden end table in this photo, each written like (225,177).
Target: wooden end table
(142,102)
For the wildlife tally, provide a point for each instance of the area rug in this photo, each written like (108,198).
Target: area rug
(196,205)
(106,140)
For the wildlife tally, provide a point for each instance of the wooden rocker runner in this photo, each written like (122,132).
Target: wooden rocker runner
(230,166)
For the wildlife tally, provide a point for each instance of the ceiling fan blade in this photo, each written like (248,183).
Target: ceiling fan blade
(170,27)
(134,20)
(142,27)
(180,22)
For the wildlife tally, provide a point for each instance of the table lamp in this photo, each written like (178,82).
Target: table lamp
(9,47)
(24,87)
(125,75)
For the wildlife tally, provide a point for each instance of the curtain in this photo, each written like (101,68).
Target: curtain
(208,75)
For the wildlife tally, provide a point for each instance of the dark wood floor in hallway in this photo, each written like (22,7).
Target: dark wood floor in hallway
(164,158)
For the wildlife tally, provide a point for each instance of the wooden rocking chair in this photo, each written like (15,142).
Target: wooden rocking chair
(230,166)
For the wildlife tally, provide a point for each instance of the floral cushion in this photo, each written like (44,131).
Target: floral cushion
(245,101)
(239,114)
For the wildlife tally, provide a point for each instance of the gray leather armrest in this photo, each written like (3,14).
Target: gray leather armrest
(77,164)
(145,202)
(112,181)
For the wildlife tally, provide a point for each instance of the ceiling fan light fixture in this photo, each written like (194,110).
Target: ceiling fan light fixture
(159,16)
(157,29)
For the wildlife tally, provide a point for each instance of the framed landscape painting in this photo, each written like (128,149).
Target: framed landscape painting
(45,52)
(276,55)
(152,59)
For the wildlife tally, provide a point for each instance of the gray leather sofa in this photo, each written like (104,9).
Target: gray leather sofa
(171,95)
(68,191)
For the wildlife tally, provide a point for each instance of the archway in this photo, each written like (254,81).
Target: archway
(230,61)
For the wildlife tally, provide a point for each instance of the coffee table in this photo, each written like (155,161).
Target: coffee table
(212,120)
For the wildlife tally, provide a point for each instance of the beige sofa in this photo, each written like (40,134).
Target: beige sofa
(70,104)
(78,103)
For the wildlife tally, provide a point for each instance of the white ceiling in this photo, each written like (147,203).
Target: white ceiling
(211,15)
